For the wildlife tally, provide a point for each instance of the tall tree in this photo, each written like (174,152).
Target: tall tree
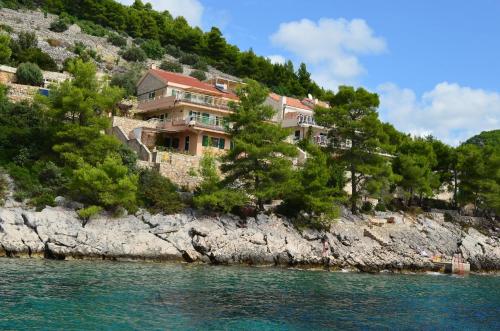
(259,161)
(356,136)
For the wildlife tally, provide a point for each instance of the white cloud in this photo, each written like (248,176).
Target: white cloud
(192,10)
(330,46)
(450,112)
(279,59)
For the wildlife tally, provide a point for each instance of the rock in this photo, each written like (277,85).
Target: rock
(57,233)
(60,201)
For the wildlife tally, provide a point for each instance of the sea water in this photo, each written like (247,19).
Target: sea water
(84,295)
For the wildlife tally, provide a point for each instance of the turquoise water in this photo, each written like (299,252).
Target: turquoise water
(67,295)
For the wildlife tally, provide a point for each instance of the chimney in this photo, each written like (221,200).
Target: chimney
(283,106)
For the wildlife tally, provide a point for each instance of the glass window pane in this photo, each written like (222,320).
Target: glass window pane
(205,141)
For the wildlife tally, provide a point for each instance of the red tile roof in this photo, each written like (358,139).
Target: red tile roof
(176,78)
(296,103)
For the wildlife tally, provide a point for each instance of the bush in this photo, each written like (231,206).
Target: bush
(6,28)
(173,50)
(201,65)
(44,199)
(171,66)
(198,74)
(3,188)
(153,49)
(189,59)
(134,54)
(27,40)
(380,206)
(92,29)
(128,80)
(5,50)
(59,25)
(367,207)
(29,74)
(42,59)
(158,194)
(117,40)
(86,213)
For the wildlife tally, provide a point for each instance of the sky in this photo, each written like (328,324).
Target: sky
(434,64)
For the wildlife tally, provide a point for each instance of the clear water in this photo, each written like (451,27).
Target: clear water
(66,295)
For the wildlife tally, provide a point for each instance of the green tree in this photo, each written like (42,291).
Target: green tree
(108,184)
(158,194)
(414,164)
(134,54)
(259,161)
(127,80)
(356,137)
(29,74)
(153,49)
(212,195)
(216,44)
(171,66)
(198,74)
(5,51)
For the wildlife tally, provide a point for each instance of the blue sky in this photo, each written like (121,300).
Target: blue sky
(433,63)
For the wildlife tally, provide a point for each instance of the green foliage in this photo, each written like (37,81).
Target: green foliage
(6,28)
(201,65)
(171,66)
(173,51)
(259,161)
(485,138)
(5,51)
(92,28)
(158,194)
(380,206)
(189,59)
(35,55)
(117,40)
(414,164)
(198,74)
(153,49)
(3,188)
(134,54)
(59,25)
(367,207)
(29,74)
(128,80)
(27,40)
(108,184)
(212,195)
(353,118)
(310,194)
(87,213)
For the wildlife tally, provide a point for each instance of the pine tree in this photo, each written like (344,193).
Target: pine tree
(259,161)
(356,137)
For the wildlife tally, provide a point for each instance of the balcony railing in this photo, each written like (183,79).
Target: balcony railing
(305,119)
(203,99)
(212,123)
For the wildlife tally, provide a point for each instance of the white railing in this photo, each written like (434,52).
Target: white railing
(203,99)
(211,122)
(305,119)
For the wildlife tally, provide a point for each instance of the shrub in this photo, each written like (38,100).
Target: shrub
(158,194)
(42,59)
(201,65)
(173,50)
(59,25)
(128,80)
(27,40)
(380,206)
(86,213)
(117,40)
(5,50)
(54,42)
(171,66)
(44,199)
(198,74)
(189,59)
(6,28)
(30,74)
(134,54)
(3,188)
(367,207)
(153,49)
(92,29)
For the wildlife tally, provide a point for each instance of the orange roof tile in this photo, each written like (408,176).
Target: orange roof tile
(296,103)
(176,78)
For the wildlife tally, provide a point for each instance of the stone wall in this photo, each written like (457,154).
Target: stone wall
(181,169)
(19,92)
(128,124)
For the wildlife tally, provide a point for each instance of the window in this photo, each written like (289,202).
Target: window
(168,142)
(297,135)
(215,142)
(204,142)
(186,143)
(222,143)
(205,118)
(152,95)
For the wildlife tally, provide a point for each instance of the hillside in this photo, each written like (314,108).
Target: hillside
(486,138)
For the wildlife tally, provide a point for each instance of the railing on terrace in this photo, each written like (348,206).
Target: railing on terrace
(302,119)
(194,98)
(213,123)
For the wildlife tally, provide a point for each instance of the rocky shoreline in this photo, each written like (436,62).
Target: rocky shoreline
(353,243)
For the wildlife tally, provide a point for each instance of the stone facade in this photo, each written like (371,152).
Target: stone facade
(128,124)
(19,92)
(179,168)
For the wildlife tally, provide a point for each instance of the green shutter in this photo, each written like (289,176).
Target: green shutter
(205,141)
(222,143)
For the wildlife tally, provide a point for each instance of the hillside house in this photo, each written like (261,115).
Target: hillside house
(188,115)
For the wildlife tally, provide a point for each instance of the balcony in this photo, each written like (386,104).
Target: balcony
(199,121)
(203,100)
(299,119)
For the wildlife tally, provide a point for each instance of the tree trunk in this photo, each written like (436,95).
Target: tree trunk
(354,191)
